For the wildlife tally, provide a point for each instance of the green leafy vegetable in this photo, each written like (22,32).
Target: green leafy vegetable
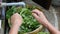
(29,22)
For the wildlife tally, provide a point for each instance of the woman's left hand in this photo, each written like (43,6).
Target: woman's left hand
(16,19)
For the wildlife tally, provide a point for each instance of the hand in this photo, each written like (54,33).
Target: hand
(39,16)
(16,19)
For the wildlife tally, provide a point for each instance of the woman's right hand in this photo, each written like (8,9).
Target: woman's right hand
(39,16)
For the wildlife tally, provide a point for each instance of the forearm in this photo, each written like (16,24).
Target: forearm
(14,29)
(50,27)
(40,17)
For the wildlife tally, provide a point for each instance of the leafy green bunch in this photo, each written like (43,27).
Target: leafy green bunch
(29,22)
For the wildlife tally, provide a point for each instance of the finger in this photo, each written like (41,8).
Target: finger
(36,16)
(16,14)
(36,11)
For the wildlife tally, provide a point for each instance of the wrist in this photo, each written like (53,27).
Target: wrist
(14,29)
(17,25)
(45,22)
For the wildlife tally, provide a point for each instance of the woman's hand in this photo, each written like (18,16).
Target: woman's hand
(39,16)
(16,19)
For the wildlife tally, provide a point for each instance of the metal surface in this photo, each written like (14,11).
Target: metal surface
(12,4)
(3,13)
